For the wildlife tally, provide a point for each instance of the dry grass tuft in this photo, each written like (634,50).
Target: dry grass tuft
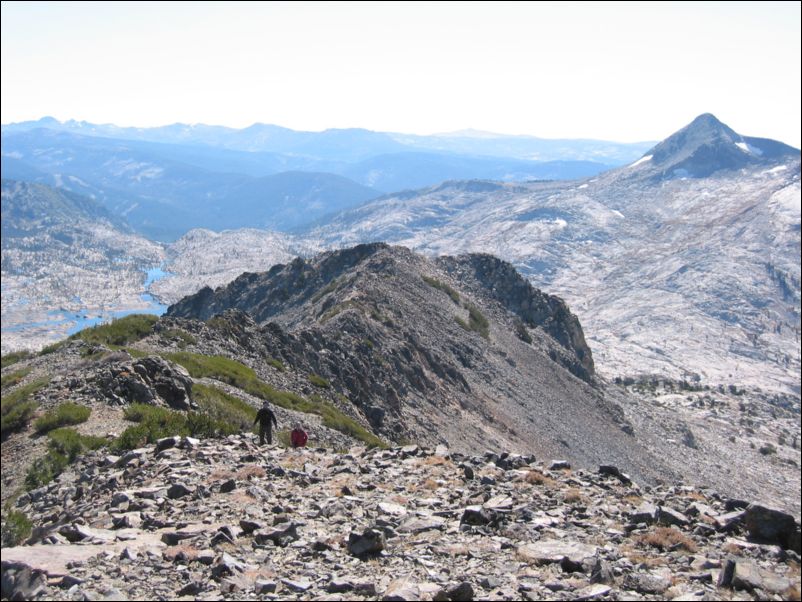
(220,475)
(251,471)
(435,461)
(182,551)
(430,484)
(666,538)
(535,477)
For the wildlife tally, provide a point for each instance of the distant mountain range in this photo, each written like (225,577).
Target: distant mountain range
(168,180)
(353,144)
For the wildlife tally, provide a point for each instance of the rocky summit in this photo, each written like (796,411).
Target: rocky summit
(227,519)
(461,445)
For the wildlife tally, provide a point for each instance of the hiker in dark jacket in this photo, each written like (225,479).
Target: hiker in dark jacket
(267,420)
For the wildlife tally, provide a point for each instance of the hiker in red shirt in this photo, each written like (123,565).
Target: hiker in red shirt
(298,438)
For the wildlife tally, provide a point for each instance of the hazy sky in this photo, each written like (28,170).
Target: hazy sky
(620,71)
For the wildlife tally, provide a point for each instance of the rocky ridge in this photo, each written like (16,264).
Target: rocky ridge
(226,519)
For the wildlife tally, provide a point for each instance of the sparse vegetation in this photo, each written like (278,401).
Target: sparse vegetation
(17,408)
(521,332)
(16,528)
(442,286)
(64,447)
(319,381)
(350,304)
(243,377)
(68,413)
(284,438)
(9,359)
(14,378)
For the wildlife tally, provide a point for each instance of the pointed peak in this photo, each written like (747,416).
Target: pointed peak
(705,146)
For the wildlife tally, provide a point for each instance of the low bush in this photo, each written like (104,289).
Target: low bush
(16,528)
(224,407)
(119,332)
(182,336)
(442,286)
(64,447)
(66,414)
(319,381)
(154,423)
(276,364)
(9,359)
(14,378)
(17,407)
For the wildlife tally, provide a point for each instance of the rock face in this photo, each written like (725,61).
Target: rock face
(502,282)
(150,380)
(338,529)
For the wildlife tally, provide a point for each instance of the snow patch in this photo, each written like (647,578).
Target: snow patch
(641,160)
(581,187)
(749,149)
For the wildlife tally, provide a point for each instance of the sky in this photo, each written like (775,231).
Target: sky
(616,71)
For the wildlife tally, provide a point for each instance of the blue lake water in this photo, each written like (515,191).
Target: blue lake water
(81,320)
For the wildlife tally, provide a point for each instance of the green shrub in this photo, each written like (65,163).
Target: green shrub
(184,338)
(767,449)
(64,447)
(17,408)
(276,364)
(16,528)
(13,378)
(65,414)
(119,332)
(284,438)
(522,333)
(224,407)
(433,282)
(341,307)
(476,320)
(52,348)
(329,288)
(9,359)
(319,381)
(154,422)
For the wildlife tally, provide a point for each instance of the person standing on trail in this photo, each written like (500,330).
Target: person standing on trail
(267,420)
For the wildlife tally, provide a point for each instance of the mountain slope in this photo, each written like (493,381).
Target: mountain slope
(685,277)
(382,325)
